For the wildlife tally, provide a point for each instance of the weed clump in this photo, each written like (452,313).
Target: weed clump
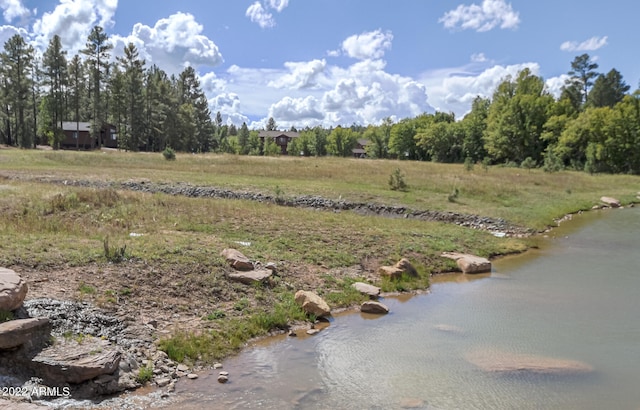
(397,182)
(169,154)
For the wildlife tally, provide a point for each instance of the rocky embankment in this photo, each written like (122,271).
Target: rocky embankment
(496,225)
(51,349)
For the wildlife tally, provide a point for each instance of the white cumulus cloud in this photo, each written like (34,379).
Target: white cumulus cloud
(289,110)
(483,17)
(73,20)
(592,44)
(453,90)
(368,45)
(14,9)
(300,75)
(172,43)
(259,12)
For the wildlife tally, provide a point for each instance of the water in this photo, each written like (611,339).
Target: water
(575,298)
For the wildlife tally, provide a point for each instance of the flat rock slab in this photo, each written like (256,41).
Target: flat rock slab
(13,290)
(469,263)
(32,331)
(252,276)
(497,361)
(76,362)
(366,289)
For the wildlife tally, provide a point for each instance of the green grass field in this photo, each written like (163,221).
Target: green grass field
(46,226)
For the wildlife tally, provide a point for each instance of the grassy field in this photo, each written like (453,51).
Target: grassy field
(172,260)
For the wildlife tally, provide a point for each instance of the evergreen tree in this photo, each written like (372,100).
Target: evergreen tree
(97,50)
(17,63)
(55,73)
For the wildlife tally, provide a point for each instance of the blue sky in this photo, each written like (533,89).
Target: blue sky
(331,62)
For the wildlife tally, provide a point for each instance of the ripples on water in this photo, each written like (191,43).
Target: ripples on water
(577,299)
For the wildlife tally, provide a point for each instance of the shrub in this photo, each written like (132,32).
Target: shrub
(453,196)
(468,164)
(169,154)
(114,254)
(528,163)
(396,181)
(145,374)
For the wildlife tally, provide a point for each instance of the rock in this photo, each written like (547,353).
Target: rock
(405,266)
(253,276)
(506,362)
(163,382)
(312,303)
(72,362)
(411,403)
(469,263)
(612,202)
(236,259)
(390,271)
(223,373)
(192,376)
(366,289)
(30,332)
(313,331)
(217,366)
(292,333)
(13,290)
(272,267)
(223,379)
(182,368)
(374,307)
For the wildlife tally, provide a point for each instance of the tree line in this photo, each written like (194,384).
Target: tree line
(594,125)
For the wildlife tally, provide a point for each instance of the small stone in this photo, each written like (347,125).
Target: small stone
(157,371)
(163,382)
(182,368)
(312,331)
(217,366)
(292,333)
(224,373)
(192,376)
(223,379)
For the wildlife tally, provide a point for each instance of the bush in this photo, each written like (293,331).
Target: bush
(396,181)
(145,374)
(528,163)
(169,154)
(468,164)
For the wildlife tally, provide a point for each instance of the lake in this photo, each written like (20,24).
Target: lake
(577,298)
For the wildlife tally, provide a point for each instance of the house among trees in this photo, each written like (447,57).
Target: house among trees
(360,150)
(77,135)
(280,138)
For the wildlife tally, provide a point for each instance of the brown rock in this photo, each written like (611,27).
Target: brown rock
(13,290)
(390,272)
(31,331)
(252,276)
(469,263)
(374,307)
(612,202)
(506,362)
(312,303)
(236,259)
(405,266)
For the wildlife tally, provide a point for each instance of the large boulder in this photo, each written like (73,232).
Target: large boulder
(312,304)
(374,307)
(13,290)
(405,266)
(390,272)
(237,260)
(366,289)
(469,263)
(498,361)
(31,332)
(612,202)
(252,276)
